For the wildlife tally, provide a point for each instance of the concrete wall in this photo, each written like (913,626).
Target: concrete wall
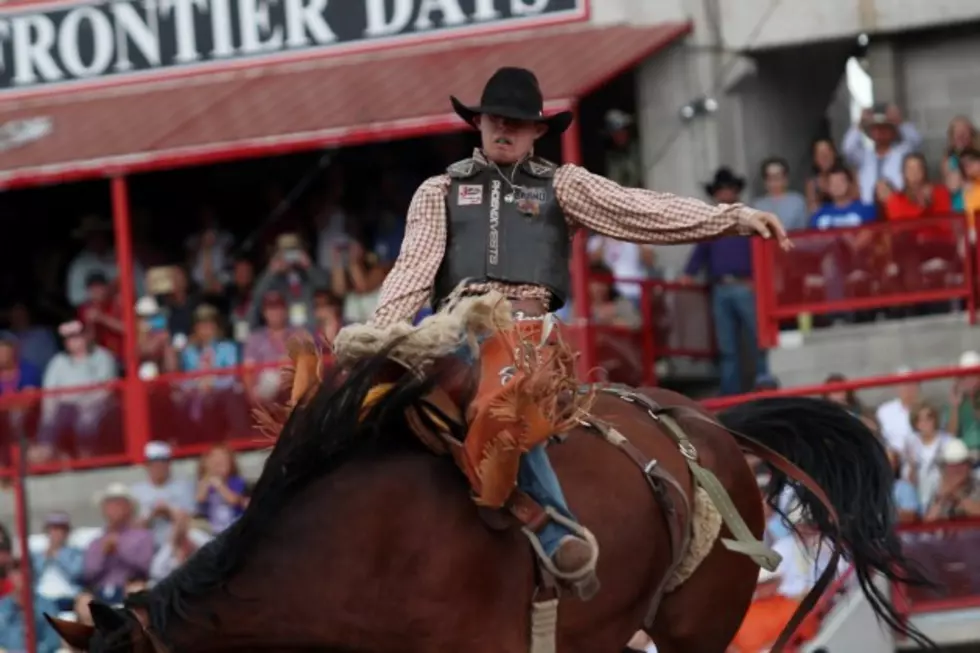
(877,349)
(769,104)
(75,491)
(762,24)
(940,78)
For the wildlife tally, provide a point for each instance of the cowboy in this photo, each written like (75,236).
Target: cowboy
(503,219)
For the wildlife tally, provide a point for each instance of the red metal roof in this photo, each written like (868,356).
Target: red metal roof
(227,115)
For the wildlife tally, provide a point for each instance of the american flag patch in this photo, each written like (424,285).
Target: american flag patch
(470,195)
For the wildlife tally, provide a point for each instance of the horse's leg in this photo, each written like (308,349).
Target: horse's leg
(704,613)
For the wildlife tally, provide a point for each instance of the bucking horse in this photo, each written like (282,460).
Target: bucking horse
(363,536)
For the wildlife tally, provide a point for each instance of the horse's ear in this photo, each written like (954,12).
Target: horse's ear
(76,635)
(106,618)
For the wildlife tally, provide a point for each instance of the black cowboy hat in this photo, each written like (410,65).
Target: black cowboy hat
(513,93)
(724,178)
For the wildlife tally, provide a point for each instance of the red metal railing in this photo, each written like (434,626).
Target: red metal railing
(878,266)
(664,320)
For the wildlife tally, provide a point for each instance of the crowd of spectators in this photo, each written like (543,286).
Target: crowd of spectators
(149,529)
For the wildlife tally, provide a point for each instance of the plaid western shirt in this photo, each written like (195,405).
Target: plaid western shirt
(587,200)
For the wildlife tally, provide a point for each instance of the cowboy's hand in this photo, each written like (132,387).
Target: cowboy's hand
(766,225)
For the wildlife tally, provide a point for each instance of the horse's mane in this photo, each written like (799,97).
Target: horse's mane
(328,427)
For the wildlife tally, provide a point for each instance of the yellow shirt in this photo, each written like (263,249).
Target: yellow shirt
(971,201)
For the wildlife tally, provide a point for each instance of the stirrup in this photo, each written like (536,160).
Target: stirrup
(584,581)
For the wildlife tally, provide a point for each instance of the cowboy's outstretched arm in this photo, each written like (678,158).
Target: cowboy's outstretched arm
(644,216)
(409,284)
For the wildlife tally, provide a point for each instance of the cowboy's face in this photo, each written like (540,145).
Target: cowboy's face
(506,140)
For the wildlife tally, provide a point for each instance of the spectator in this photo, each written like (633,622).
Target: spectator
(789,205)
(894,418)
(181,543)
(960,136)
(970,167)
(958,494)
(169,284)
(97,255)
(920,198)
(824,157)
(609,308)
(962,415)
(267,346)
(208,254)
(848,399)
(211,396)
(37,344)
(728,263)
(359,283)
(16,374)
(904,494)
(6,561)
(163,497)
(121,554)
(58,569)
(628,263)
(922,451)
(841,211)
(331,223)
(157,354)
(879,164)
(82,363)
(623,164)
(327,312)
(13,628)
(221,497)
(239,297)
(291,275)
(102,315)
(390,230)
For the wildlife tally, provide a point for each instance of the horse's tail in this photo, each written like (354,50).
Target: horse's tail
(849,463)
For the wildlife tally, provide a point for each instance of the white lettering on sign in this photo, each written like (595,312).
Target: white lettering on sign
(493,240)
(379,24)
(55,43)
(452,14)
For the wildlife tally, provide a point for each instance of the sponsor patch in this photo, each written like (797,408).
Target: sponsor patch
(470,194)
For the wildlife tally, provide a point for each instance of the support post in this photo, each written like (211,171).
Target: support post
(135,402)
(18,454)
(571,150)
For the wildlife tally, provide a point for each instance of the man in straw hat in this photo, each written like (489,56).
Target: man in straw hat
(122,553)
(502,220)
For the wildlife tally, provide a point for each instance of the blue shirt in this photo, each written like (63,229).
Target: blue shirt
(222,354)
(68,562)
(723,257)
(13,628)
(831,216)
(28,376)
(219,513)
(905,496)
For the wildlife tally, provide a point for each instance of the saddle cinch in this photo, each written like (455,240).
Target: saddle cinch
(526,394)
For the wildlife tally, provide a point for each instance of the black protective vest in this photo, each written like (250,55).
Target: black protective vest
(497,231)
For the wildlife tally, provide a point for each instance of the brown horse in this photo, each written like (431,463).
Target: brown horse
(357,539)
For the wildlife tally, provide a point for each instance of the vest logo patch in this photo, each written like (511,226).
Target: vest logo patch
(470,195)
